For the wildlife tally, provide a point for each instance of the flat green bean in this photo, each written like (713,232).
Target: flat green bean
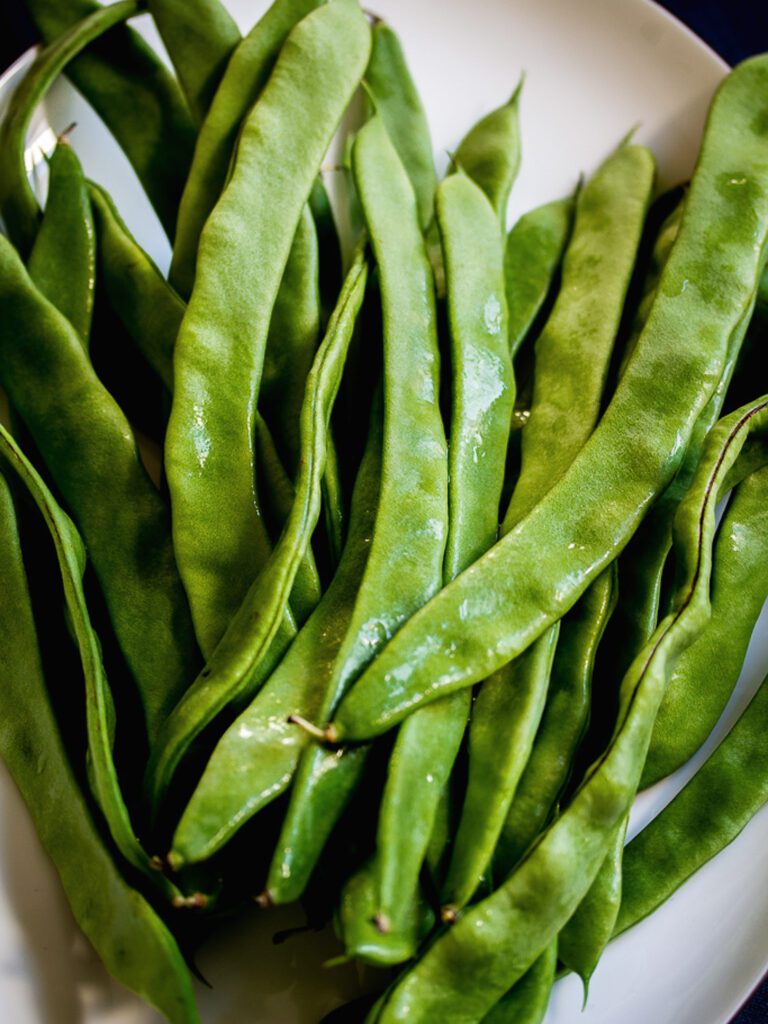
(62,262)
(247,72)
(527,1000)
(220,348)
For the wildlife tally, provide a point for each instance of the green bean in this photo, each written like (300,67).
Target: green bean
(247,649)
(405,564)
(469,967)
(149,309)
(246,75)
(136,96)
(306,590)
(490,152)
(200,36)
(535,248)
(131,940)
(62,262)
(527,1001)
(256,758)
(220,349)
(18,204)
(585,936)
(697,693)
(294,332)
(572,357)
(89,448)
(397,101)
(100,712)
(328,245)
(704,817)
(531,577)
(504,722)
(563,724)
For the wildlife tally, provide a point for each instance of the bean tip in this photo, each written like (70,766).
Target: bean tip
(264,900)
(449,915)
(309,727)
(382,924)
(195,901)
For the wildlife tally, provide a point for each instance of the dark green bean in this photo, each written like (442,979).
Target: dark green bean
(697,691)
(328,245)
(247,72)
(136,96)
(220,348)
(490,153)
(200,36)
(63,259)
(704,817)
(406,560)
(18,204)
(399,105)
(535,247)
(469,967)
(246,653)
(531,577)
(89,448)
(256,758)
(131,940)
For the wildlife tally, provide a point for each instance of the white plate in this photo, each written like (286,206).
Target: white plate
(594,68)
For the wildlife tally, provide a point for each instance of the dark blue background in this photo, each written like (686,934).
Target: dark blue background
(735,29)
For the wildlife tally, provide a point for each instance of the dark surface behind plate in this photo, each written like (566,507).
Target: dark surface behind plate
(734,29)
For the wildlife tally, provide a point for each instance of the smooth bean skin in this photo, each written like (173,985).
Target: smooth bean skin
(147,306)
(572,354)
(704,817)
(396,99)
(255,759)
(534,251)
(246,75)
(200,36)
(294,332)
(490,153)
(256,636)
(706,673)
(527,1000)
(90,451)
(328,244)
(514,698)
(219,352)
(18,203)
(136,96)
(280,496)
(498,606)
(62,262)
(585,936)
(563,724)
(405,565)
(470,966)
(128,936)
(482,400)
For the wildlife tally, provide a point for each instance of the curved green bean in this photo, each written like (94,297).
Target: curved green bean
(130,939)
(200,36)
(135,95)
(18,204)
(405,564)
(472,965)
(220,348)
(90,450)
(531,577)
(62,262)
(247,649)
(490,152)
(256,758)
(247,72)
(527,1000)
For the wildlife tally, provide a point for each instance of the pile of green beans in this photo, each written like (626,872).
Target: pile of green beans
(420,575)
